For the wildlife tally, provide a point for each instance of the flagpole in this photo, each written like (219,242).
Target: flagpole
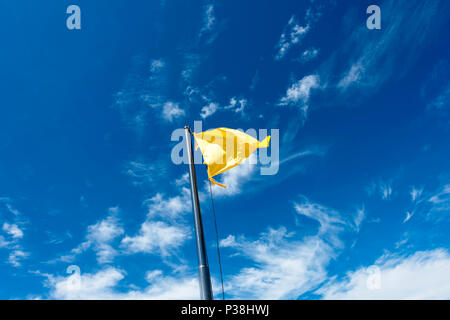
(203,269)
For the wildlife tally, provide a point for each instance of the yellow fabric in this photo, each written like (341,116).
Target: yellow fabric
(224,148)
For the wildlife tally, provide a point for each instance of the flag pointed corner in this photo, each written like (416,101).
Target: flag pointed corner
(264,143)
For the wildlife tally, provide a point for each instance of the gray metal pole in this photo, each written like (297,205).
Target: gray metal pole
(203,269)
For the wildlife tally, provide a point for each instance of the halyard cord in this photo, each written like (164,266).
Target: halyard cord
(217,239)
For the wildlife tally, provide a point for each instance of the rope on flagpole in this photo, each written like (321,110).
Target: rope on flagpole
(217,239)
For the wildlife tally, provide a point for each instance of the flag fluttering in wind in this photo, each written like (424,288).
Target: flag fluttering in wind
(224,148)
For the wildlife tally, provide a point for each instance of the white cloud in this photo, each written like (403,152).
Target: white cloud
(172,111)
(229,241)
(352,76)
(234,179)
(15,256)
(386,192)
(99,237)
(285,268)
(423,275)
(292,34)
(7,202)
(3,242)
(371,62)
(440,203)
(169,207)
(236,105)
(359,217)
(13,234)
(442,196)
(300,91)
(209,22)
(190,68)
(209,18)
(430,205)
(166,287)
(105,230)
(162,237)
(408,216)
(441,103)
(304,153)
(156,65)
(383,189)
(13,230)
(165,235)
(143,172)
(156,237)
(140,172)
(144,89)
(330,220)
(86,286)
(416,193)
(103,285)
(209,110)
(309,54)
(184,180)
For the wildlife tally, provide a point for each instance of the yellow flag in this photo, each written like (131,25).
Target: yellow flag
(224,148)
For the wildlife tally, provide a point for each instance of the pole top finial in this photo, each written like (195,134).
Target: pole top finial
(187,127)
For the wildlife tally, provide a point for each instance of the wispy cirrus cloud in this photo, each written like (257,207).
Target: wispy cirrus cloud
(370,61)
(164,230)
(209,18)
(143,172)
(441,103)
(439,203)
(309,54)
(236,105)
(13,228)
(436,89)
(172,111)
(292,34)
(283,266)
(156,237)
(381,188)
(416,193)
(16,256)
(209,109)
(408,216)
(299,92)
(145,90)
(104,283)
(169,207)
(8,203)
(99,238)
(359,218)
(208,32)
(422,275)
(430,205)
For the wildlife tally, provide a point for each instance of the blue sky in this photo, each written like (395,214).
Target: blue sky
(92,206)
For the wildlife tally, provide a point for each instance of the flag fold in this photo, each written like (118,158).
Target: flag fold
(225,148)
